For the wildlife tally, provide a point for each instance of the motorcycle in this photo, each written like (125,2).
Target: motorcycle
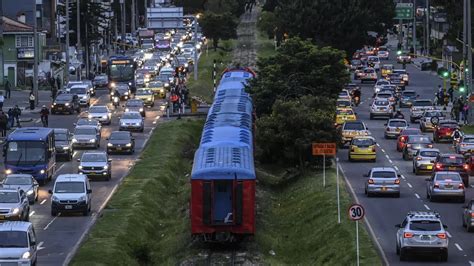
(356,100)
(116,101)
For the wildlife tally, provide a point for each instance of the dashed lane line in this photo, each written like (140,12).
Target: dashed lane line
(403,177)
(417,196)
(426,206)
(449,235)
(382,150)
(43,201)
(32,213)
(52,221)
(396,168)
(378,145)
(458,246)
(387,156)
(409,185)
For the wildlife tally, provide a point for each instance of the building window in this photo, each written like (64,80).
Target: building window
(23,41)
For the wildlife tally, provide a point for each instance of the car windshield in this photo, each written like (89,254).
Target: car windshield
(451,160)
(344,112)
(143,92)
(100,78)
(131,116)
(86,122)
(411,132)
(397,124)
(85,131)
(384,95)
(119,136)
(354,126)
(78,90)
(409,93)
(18,180)
(362,142)
(399,71)
(429,153)
(69,187)
(369,71)
(155,84)
(384,174)
(25,153)
(13,239)
(419,139)
(60,136)
(433,114)
(134,103)
(448,125)
(425,226)
(468,140)
(355,62)
(98,109)
(343,103)
(64,97)
(94,157)
(394,76)
(448,177)
(422,103)
(382,82)
(9,197)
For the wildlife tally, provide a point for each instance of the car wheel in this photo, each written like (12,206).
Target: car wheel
(403,255)
(142,129)
(86,212)
(412,120)
(398,249)
(70,156)
(54,212)
(444,256)
(32,202)
(371,117)
(404,156)
(468,227)
(462,199)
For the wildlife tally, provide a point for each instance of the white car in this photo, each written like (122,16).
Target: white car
(466,144)
(427,116)
(419,107)
(71,193)
(424,159)
(374,61)
(394,126)
(379,84)
(383,55)
(100,113)
(83,93)
(132,121)
(381,107)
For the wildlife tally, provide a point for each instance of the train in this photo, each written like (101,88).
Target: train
(222,205)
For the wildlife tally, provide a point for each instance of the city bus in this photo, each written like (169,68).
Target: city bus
(31,150)
(121,69)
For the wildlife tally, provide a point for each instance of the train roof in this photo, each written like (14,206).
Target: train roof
(225,135)
(241,120)
(230,93)
(231,85)
(232,105)
(223,163)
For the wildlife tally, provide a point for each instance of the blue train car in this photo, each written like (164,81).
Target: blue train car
(232,105)
(237,74)
(241,120)
(224,135)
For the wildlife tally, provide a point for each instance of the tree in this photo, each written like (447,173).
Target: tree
(267,23)
(218,27)
(298,68)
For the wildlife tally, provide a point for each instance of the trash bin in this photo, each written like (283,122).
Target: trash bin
(194,106)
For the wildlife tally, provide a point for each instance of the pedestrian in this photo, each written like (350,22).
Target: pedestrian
(466,112)
(455,111)
(10,117)
(7,88)
(461,108)
(2,100)
(32,99)
(3,124)
(44,115)
(58,83)
(450,93)
(16,115)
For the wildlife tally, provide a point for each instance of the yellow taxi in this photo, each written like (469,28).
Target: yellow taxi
(158,88)
(386,70)
(363,148)
(344,114)
(343,103)
(351,129)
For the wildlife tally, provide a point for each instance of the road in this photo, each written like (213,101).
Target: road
(383,213)
(59,236)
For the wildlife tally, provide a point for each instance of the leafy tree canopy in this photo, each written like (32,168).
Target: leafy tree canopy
(218,27)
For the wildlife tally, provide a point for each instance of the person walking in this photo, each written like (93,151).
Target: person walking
(2,100)
(466,112)
(450,93)
(16,116)
(32,99)
(7,88)
(44,115)
(455,111)
(10,117)
(3,124)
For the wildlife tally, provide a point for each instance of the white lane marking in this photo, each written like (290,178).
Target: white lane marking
(417,196)
(382,150)
(38,120)
(403,176)
(396,168)
(426,206)
(43,201)
(378,145)
(458,246)
(409,185)
(60,167)
(449,235)
(52,221)
(390,161)
(32,213)
(40,246)
(471,263)
(387,156)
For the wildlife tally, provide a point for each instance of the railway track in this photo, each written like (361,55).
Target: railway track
(245,53)
(231,256)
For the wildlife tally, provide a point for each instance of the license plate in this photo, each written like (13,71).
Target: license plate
(92,173)
(68,207)
(384,188)
(429,167)
(60,108)
(398,130)
(425,237)
(119,149)
(452,168)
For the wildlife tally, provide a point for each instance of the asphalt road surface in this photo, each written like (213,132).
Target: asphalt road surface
(382,213)
(59,236)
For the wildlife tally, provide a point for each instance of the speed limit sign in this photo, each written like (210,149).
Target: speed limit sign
(356,212)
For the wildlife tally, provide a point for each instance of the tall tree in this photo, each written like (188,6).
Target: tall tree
(218,27)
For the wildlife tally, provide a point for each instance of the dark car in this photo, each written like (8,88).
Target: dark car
(468,216)
(444,130)
(407,97)
(123,90)
(135,105)
(121,142)
(455,163)
(63,143)
(101,81)
(413,144)
(66,104)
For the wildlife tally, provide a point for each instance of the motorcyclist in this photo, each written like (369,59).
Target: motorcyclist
(399,115)
(356,96)
(116,98)
(44,115)
(456,134)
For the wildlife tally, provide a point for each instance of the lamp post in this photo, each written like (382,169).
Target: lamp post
(36,54)
(78,30)
(66,80)
(195,63)
(122,11)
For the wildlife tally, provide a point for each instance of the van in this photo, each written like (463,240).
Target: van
(71,193)
(18,244)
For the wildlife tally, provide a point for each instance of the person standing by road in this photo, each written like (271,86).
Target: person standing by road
(10,117)
(3,124)
(2,100)
(44,115)
(8,88)
(450,93)
(16,116)
(32,99)
(466,112)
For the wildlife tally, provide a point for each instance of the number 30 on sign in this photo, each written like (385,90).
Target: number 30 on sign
(356,212)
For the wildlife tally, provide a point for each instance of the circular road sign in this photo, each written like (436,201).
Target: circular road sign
(356,212)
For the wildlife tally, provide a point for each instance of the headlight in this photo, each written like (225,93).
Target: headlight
(126,93)
(26,255)
(89,116)
(42,171)
(109,145)
(15,210)
(167,84)
(130,83)
(141,109)
(92,140)
(74,140)
(162,90)
(82,198)
(104,116)
(106,167)
(129,145)
(112,84)
(54,198)
(67,104)
(123,123)
(126,109)
(54,104)
(186,65)
(8,171)
(29,192)
(80,167)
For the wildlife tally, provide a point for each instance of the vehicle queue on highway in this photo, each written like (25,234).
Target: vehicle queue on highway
(428,141)
(114,117)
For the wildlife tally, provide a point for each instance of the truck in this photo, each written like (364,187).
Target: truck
(146,37)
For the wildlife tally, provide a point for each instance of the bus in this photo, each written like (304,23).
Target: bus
(121,69)
(31,150)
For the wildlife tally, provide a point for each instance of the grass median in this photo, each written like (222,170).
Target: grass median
(145,222)
(297,222)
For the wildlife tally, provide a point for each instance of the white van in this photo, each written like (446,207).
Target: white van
(71,193)
(18,244)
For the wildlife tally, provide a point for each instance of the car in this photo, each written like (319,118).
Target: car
(165,79)
(383,54)
(14,205)
(121,142)
(444,129)
(82,92)
(362,148)
(86,137)
(18,244)
(415,143)
(132,121)
(344,114)
(465,145)
(146,96)
(354,64)
(123,90)
(382,180)
(386,70)
(63,143)
(424,159)
(381,107)
(358,72)
(350,129)
(158,88)
(379,84)
(468,216)
(95,164)
(404,74)
(135,105)
(445,184)
(403,136)
(369,74)
(66,103)
(422,232)
(24,182)
(396,79)
(387,95)
(83,121)
(374,61)
(101,81)
(403,58)
(344,94)
(430,116)
(418,107)
(455,163)
(406,98)
(394,126)
(71,193)
(140,80)
(343,103)
(100,113)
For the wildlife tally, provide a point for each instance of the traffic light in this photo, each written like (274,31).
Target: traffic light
(445,74)
(462,89)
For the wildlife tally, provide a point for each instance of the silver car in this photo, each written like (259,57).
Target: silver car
(422,232)
(14,205)
(132,121)
(86,137)
(382,180)
(394,126)
(24,182)
(424,159)
(88,122)
(381,107)
(466,144)
(379,84)
(18,243)
(100,113)
(419,107)
(468,216)
(415,143)
(428,117)
(95,164)
(445,184)
(82,91)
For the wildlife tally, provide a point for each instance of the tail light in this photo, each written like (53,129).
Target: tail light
(397,181)
(436,185)
(461,186)
(472,214)
(373,149)
(463,145)
(466,167)
(430,145)
(441,235)
(438,166)
(408,235)
(371,181)
(402,139)
(419,158)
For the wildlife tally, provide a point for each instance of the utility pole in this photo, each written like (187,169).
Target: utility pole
(146,13)
(195,63)
(67,44)
(1,39)
(36,54)
(400,37)
(78,30)
(122,11)
(414,27)
(427,47)
(132,17)
(469,47)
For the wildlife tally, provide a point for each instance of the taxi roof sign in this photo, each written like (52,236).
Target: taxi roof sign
(324,149)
